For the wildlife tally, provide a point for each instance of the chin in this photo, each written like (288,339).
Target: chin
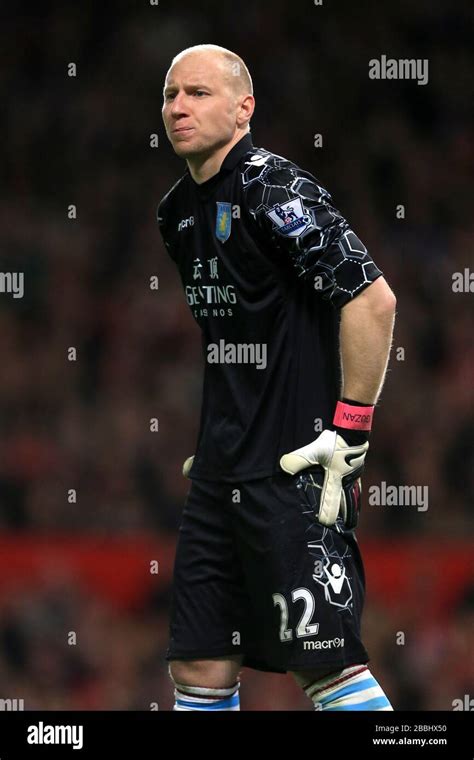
(183,150)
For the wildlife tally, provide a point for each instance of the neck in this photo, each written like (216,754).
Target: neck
(203,167)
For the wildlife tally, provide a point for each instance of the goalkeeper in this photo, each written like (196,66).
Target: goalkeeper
(296,323)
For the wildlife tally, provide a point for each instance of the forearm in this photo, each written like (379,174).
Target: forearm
(366,332)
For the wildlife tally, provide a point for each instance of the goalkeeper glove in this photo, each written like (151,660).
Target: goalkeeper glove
(342,462)
(187,466)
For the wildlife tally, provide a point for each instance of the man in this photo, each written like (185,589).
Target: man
(268,572)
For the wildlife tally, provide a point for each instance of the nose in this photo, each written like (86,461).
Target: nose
(178,106)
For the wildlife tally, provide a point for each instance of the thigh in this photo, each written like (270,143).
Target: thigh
(209,603)
(306,581)
(215,673)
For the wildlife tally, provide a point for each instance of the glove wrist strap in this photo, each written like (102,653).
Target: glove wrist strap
(353,417)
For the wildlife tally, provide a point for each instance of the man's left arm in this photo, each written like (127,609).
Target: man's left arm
(366,330)
(296,214)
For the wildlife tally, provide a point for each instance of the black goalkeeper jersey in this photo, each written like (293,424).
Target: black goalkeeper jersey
(266,263)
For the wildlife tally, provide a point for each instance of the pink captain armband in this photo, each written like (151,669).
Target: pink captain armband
(353,417)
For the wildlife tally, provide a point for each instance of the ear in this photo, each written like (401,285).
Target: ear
(245,110)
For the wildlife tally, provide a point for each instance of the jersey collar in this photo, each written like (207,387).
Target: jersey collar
(237,151)
(229,163)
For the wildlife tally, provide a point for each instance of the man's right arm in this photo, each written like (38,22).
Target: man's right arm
(162,215)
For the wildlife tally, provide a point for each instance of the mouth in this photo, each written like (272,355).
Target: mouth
(182,130)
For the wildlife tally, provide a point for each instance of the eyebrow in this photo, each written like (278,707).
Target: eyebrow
(198,86)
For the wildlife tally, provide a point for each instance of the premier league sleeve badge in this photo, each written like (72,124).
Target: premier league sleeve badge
(290,218)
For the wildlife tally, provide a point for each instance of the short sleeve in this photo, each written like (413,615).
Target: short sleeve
(295,214)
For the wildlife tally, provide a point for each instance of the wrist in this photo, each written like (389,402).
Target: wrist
(353,420)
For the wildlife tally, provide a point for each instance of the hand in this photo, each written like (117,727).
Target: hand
(342,465)
(187,466)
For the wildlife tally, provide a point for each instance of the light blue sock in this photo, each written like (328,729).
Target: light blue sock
(354,688)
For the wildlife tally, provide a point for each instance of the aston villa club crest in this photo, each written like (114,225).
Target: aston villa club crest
(290,218)
(223,221)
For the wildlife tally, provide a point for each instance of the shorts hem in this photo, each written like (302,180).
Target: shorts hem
(361,658)
(201,655)
(267,667)
(333,664)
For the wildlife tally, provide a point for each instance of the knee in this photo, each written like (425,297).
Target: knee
(303,677)
(210,674)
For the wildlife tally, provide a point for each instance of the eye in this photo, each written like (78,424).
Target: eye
(200,92)
(169,96)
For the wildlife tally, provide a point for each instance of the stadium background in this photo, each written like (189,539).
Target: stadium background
(83,568)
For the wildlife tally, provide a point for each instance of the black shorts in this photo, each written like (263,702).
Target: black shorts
(257,575)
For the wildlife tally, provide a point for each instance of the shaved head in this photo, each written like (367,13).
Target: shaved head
(207,105)
(235,71)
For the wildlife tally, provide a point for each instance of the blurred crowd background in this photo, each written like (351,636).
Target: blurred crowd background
(85,424)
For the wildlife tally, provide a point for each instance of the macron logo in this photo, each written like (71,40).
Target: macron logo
(45,734)
(189,222)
